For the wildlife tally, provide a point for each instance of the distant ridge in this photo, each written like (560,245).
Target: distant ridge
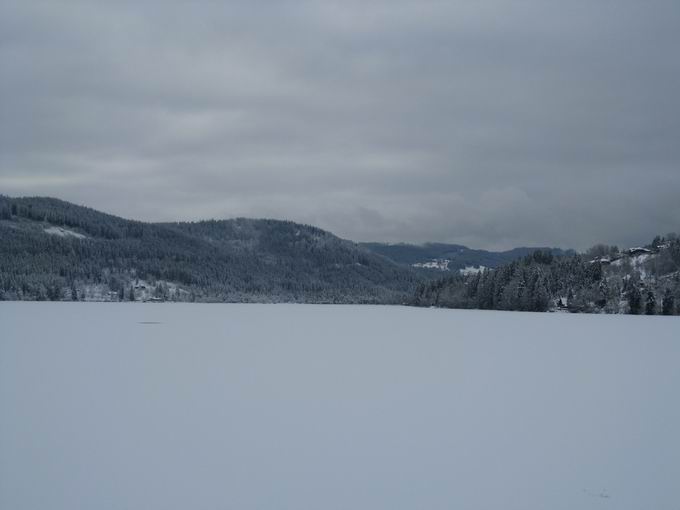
(452,257)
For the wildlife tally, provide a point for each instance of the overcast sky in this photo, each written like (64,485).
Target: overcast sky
(493,124)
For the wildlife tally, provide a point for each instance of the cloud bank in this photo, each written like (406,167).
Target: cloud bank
(492,124)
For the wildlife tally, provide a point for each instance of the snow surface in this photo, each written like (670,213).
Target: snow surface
(637,262)
(441,264)
(63,232)
(176,406)
(472,269)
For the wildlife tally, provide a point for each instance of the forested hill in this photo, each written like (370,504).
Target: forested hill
(642,280)
(51,249)
(55,250)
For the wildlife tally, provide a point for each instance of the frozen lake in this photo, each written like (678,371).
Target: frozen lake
(296,407)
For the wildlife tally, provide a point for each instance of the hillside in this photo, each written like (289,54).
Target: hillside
(55,250)
(603,280)
(437,257)
(51,249)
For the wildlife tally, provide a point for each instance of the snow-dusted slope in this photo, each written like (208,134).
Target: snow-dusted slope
(472,270)
(440,264)
(178,406)
(63,232)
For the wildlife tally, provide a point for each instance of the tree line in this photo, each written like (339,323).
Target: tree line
(602,280)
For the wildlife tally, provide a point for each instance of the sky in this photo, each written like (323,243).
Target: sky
(492,124)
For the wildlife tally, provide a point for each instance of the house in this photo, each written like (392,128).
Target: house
(638,251)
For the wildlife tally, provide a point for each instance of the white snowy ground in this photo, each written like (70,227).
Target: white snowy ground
(178,406)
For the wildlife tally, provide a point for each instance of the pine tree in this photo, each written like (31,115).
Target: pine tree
(603,293)
(650,308)
(541,298)
(131,294)
(634,300)
(668,303)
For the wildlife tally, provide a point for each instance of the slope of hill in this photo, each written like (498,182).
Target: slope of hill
(51,249)
(451,257)
(605,280)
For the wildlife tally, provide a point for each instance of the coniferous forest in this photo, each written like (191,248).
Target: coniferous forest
(55,250)
(643,280)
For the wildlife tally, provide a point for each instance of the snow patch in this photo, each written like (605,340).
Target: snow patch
(472,270)
(63,232)
(637,262)
(441,264)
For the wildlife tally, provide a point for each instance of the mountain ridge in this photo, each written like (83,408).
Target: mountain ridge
(52,249)
(454,256)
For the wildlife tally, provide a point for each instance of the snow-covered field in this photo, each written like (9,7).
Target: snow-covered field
(179,406)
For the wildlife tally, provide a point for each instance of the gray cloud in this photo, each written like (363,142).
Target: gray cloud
(493,124)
